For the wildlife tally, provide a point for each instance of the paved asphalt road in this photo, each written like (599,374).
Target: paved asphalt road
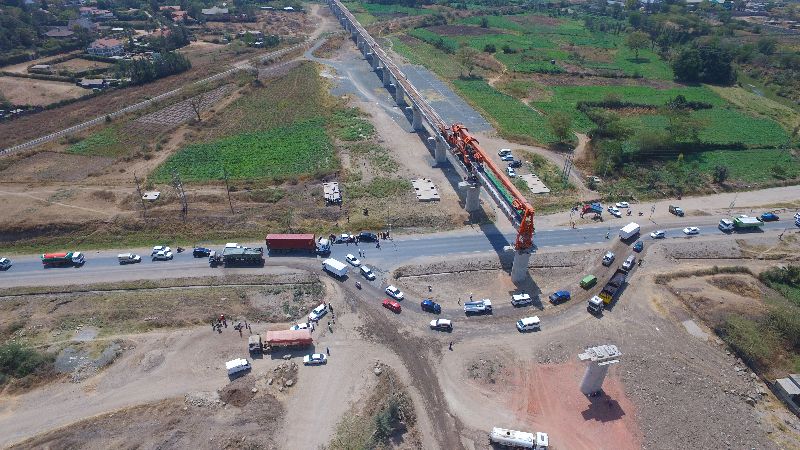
(103,265)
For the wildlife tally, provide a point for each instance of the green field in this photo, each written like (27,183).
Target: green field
(282,153)
(752,165)
(101,143)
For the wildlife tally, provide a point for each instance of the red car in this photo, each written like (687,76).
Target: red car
(392,305)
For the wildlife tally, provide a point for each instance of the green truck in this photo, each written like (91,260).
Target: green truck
(237,255)
(62,259)
(747,223)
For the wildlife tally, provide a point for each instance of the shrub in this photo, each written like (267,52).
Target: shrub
(17,361)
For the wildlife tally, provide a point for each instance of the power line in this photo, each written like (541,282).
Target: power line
(176,181)
(141,197)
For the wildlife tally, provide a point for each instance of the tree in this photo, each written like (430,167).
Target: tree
(484,22)
(489,48)
(682,127)
(767,45)
(561,125)
(688,66)
(636,41)
(720,174)
(466,57)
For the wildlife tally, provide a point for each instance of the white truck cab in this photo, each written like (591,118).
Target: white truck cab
(725,225)
(595,305)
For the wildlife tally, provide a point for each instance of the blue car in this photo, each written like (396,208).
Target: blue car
(769,217)
(559,296)
(431,306)
(201,252)
(638,246)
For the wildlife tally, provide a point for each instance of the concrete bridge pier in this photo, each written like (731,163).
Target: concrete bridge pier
(416,118)
(472,198)
(519,268)
(387,77)
(376,62)
(399,94)
(440,151)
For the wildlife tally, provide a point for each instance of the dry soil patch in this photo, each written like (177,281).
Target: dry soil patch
(28,91)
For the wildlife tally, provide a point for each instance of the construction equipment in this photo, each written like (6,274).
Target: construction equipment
(611,289)
(479,165)
(595,208)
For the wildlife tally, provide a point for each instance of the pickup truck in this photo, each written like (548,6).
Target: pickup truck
(559,297)
(478,307)
(430,306)
(521,299)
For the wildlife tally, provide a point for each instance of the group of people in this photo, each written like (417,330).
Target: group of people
(221,322)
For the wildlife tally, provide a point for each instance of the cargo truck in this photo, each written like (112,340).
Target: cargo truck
(518,439)
(335,267)
(239,256)
(287,339)
(254,344)
(747,223)
(282,243)
(595,305)
(611,289)
(478,307)
(628,231)
(73,259)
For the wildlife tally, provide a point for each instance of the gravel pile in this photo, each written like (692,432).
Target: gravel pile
(203,399)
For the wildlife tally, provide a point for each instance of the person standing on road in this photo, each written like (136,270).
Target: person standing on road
(451,346)
(328,351)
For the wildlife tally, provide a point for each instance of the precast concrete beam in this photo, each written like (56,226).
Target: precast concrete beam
(416,118)
(519,268)
(472,197)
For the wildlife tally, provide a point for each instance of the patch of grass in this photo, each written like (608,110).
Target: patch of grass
(378,157)
(379,187)
(752,341)
(759,106)
(751,165)
(379,9)
(101,143)
(514,119)
(493,22)
(350,126)
(300,149)
(424,54)
(785,280)
(549,173)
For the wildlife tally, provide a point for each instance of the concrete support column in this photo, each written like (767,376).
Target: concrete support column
(399,94)
(472,199)
(376,63)
(519,268)
(387,76)
(416,116)
(440,151)
(593,378)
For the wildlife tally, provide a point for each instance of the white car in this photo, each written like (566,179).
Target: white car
(628,264)
(301,326)
(442,325)
(511,172)
(5,263)
(315,359)
(521,299)
(504,151)
(614,211)
(529,324)
(367,273)
(507,157)
(658,234)
(608,258)
(691,230)
(318,312)
(393,292)
(162,256)
(352,260)
(623,205)
(160,248)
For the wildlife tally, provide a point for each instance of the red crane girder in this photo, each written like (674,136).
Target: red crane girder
(468,149)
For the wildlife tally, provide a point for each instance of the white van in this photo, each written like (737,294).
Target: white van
(521,299)
(529,324)
(128,258)
(237,365)
(629,262)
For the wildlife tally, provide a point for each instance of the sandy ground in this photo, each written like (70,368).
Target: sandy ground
(78,65)
(27,91)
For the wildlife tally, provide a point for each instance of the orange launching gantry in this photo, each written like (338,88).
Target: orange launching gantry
(467,148)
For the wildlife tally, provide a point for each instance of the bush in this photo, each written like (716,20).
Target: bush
(489,48)
(753,343)
(17,361)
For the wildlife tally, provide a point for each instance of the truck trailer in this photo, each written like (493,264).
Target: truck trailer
(74,259)
(335,267)
(282,243)
(628,231)
(287,339)
(518,439)
(611,289)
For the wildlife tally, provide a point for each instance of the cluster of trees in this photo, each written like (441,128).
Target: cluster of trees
(142,71)
(707,63)
(176,37)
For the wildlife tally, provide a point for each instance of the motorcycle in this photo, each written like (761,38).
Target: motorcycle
(641,213)
(629,213)
(179,249)
(358,285)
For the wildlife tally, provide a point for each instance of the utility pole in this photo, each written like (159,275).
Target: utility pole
(567,168)
(227,187)
(141,197)
(176,181)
